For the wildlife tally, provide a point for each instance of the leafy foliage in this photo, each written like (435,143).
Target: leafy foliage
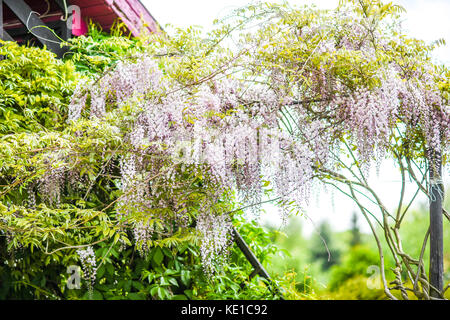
(35,88)
(97,51)
(322,247)
(165,273)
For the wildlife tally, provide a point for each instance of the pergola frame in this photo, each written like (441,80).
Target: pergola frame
(43,32)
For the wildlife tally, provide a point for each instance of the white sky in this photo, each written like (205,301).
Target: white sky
(425,19)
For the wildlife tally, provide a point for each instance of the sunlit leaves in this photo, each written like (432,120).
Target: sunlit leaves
(35,88)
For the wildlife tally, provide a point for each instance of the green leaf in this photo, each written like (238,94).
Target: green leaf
(163,281)
(173,281)
(154,290)
(188,293)
(127,285)
(136,296)
(158,256)
(110,269)
(96,295)
(185,277)
(137,285)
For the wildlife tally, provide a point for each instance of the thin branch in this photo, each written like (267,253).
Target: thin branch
(380,249)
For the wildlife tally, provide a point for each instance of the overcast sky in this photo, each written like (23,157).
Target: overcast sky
(427,20)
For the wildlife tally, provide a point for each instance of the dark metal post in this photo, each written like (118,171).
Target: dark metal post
(258,267)
(436,225)
(34,23)
(248,253)
(1,19)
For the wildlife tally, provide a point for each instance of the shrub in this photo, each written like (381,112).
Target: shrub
(356,288)
(35,88)
(355,263)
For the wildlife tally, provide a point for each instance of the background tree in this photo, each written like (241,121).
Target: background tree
(355,233)
(322,247)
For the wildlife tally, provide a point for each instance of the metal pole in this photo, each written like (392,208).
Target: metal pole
(3,34)
(258,267)
(436,225)
(1,19)
(256,264)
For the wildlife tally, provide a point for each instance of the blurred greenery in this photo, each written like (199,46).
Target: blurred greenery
(353,271)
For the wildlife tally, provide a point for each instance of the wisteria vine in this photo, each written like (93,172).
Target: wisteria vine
(314,82)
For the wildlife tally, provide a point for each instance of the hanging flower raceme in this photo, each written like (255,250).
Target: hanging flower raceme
(89,265)
(215,231)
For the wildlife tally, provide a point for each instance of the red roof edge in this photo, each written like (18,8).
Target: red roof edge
(132,12)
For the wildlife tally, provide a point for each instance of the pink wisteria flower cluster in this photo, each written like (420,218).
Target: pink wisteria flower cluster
(89,265)
(224,130)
